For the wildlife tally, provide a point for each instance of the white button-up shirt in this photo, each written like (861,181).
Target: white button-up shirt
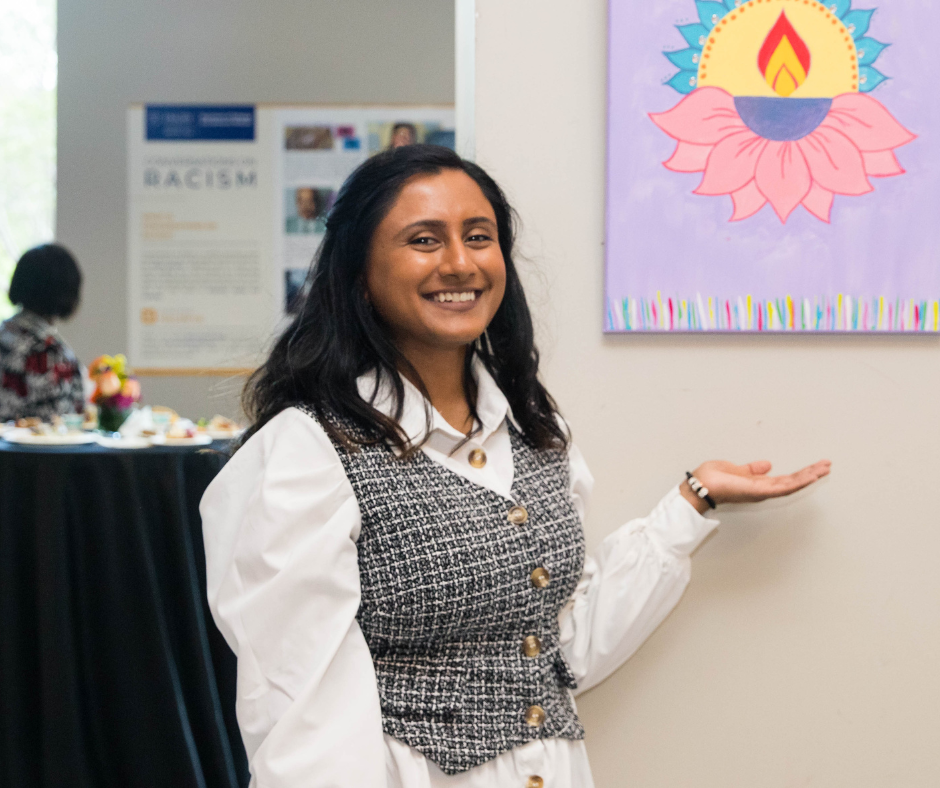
(280,524)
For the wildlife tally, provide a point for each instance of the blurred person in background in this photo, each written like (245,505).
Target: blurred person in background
(39,374)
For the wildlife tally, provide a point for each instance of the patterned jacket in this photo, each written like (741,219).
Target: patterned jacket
(39,374)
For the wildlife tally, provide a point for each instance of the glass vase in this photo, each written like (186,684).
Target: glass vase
(111,418)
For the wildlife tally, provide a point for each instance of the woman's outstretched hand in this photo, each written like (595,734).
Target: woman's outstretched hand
(729,483)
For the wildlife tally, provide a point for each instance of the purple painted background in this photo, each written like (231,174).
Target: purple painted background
(661,237)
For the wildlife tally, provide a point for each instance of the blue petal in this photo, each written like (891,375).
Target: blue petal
(869,50)
(696,35)
(732,4)
(710,13)
(684,82)
(869,78)
(838,7)
(686,59)
(857,22)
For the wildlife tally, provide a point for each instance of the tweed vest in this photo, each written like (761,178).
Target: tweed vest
(448,600)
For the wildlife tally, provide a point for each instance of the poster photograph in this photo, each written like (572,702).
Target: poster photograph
(772,166)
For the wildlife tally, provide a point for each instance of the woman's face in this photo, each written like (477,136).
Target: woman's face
(435,271)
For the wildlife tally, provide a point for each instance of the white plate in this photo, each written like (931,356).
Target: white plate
(198,440)
(223,435)
(124,443)
(29,438)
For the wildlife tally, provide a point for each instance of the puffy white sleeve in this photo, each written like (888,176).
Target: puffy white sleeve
(630,583)
(280,524)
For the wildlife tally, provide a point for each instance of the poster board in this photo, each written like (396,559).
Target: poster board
(771,167)
(226,209)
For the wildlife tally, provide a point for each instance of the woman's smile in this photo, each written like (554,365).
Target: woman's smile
(454,300)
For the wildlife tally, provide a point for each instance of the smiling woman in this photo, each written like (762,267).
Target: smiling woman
(396,552)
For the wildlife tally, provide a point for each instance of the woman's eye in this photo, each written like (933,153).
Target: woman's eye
(424,240)
(479,238)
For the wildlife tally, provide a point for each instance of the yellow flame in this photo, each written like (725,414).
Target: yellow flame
(784,71)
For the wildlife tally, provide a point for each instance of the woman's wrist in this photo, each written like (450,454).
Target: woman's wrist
(699,504)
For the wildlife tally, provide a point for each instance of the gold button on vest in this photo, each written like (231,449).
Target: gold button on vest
(540,577)
(535,716)
(534,782)
(517,515)
(477,458)
(531,646)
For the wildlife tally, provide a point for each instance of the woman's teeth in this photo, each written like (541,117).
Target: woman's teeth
(471,296)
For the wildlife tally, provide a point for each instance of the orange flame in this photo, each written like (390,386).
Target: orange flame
(784,58)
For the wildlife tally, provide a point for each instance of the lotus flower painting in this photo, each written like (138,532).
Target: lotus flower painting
(778,176)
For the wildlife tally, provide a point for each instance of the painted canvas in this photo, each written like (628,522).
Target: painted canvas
(773,166)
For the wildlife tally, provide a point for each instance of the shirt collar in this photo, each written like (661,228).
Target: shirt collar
(492,405)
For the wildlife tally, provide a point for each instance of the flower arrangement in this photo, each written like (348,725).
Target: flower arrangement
(116,392)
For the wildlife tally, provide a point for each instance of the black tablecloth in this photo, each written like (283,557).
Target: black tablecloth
(112,672)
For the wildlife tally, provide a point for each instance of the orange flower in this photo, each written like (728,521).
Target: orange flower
(109,383)
(99,365)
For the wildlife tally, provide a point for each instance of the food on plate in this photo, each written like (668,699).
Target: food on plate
(28,423)
(220,426)
(42,428)
(181,428)
(164,414)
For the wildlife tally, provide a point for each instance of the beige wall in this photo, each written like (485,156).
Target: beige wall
(805,651)
(246,51)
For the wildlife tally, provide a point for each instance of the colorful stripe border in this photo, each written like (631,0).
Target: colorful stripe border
(839,313)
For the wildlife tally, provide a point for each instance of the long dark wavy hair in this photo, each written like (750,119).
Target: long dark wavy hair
(336,336)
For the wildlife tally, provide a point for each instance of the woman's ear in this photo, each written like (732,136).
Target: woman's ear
(365,294)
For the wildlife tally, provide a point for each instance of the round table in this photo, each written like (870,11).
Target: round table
(112,672)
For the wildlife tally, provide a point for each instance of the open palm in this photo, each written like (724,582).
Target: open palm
(730,483)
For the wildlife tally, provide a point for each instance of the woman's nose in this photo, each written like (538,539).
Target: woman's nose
(456,261)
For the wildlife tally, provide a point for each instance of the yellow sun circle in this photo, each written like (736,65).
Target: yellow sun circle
(730,55)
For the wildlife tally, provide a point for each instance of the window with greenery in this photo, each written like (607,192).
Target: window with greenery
(28,73)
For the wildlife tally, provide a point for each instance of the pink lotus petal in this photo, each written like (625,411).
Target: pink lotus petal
(688,158)
(783,177)
(836,164)
(881,164)
(704,117)
(732,163)
(747,201)
(819,202)
(866,122)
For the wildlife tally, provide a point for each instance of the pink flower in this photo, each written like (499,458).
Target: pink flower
(131,389)
(854,142)
(121,401)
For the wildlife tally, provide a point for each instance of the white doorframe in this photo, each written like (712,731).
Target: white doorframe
(465,72)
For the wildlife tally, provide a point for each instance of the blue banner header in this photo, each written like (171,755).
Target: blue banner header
(190,122)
